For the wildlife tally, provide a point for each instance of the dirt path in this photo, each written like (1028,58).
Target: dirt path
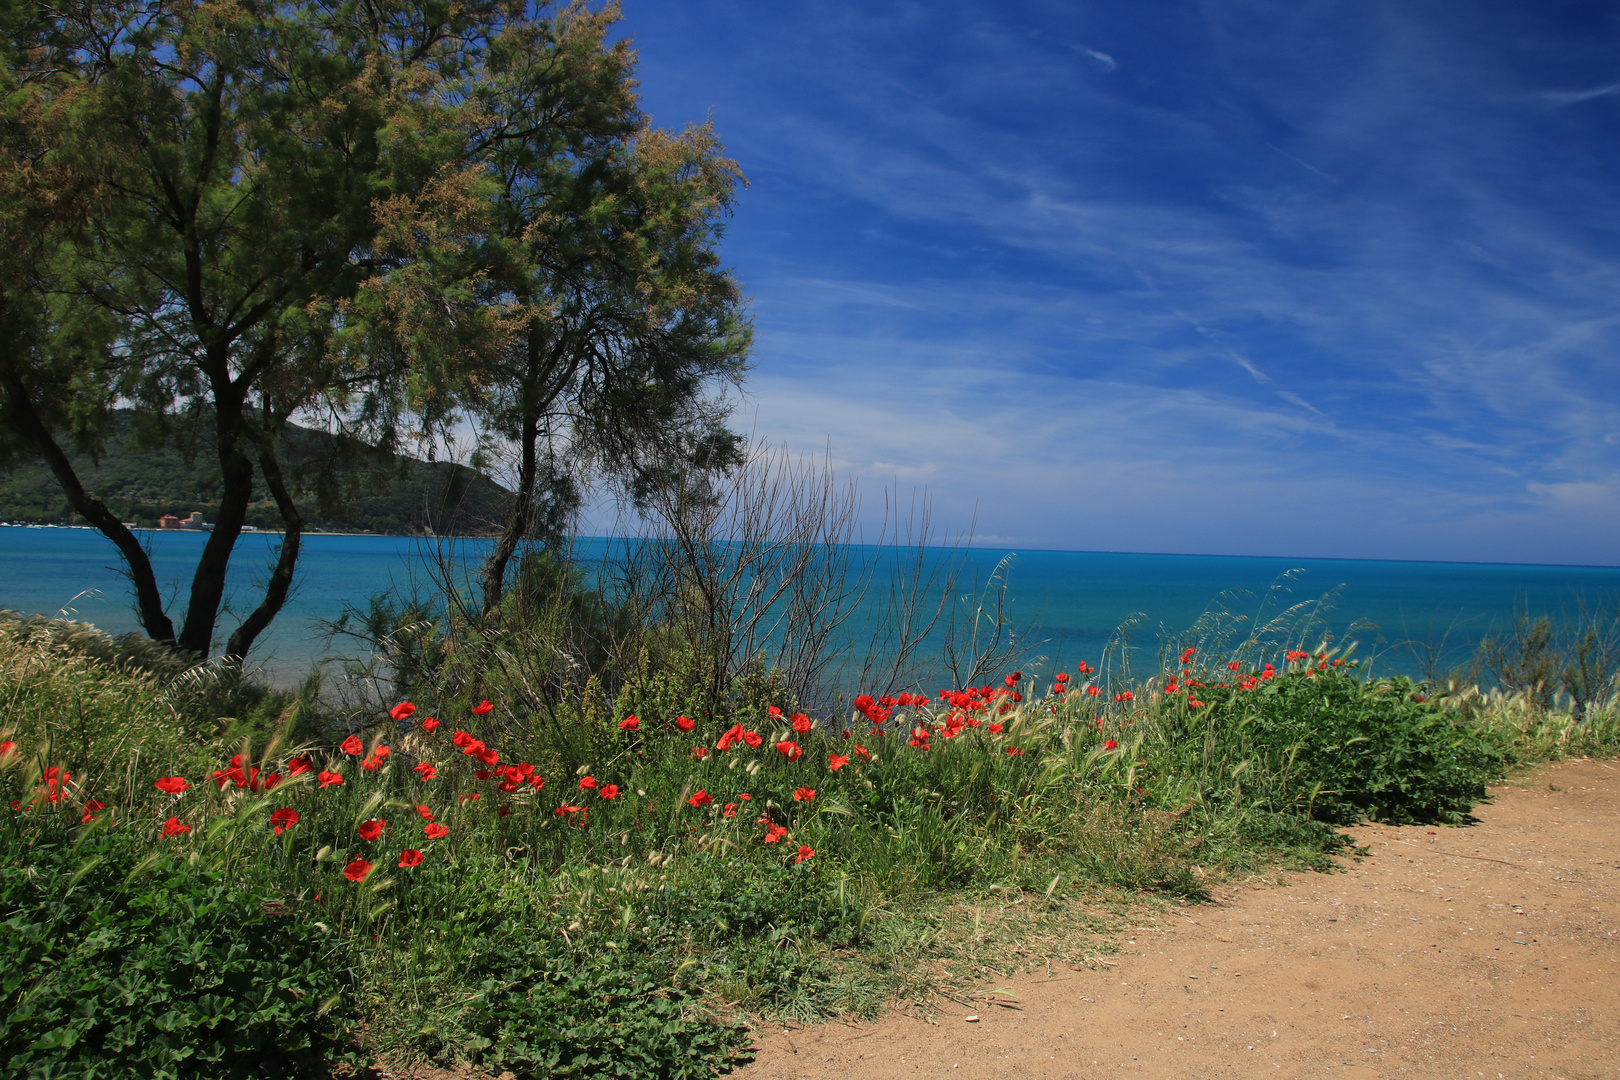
(1454,952)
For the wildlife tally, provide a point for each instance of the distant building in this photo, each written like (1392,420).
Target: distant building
(195,521)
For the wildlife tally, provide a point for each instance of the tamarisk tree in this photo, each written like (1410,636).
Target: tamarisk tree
(388,214)
(597,242)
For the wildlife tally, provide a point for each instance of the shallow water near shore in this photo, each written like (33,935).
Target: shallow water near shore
(1069,603)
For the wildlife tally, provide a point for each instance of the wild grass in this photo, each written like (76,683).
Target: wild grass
(759,863)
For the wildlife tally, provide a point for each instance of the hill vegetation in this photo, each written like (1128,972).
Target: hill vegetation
(346,485)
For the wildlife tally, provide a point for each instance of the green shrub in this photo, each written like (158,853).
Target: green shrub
(1346,749)
(114,967)
(589,894)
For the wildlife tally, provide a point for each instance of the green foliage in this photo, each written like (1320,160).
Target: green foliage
(116,965)
(91,702)
(606,894)
(1347,749)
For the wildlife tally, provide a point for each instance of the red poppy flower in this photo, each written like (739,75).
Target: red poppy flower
(328,779)
(773,833)
(370,830)
(1062,677)
(173,827)
(1110,744)
(804,794)
(403,711)
(352,745)
(837,761)
(91,807)
(805,852)
(428,771)
(801,723)
(467,797)
(731,810)
(55,777)
(172,785)
(1014,751)
(609,791)
(1186,656)
(753,739)
(996,729)
(435,831)
(7,750)
(702,798)
(630,723)
(586,783)
(357,870)
(790,750)
(861,752)
(424,813)
(1195,704)
(483,708)
(298,766)
(281,819)
(430,725)
(505,811)
(700,752)
(489,756)
(472,746)
(685,723)
(410,857)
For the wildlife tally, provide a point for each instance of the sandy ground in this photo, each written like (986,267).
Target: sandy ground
(1485,951)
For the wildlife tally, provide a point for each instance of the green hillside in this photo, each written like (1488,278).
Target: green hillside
(340,485)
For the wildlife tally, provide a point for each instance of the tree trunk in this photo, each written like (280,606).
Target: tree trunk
(148,601)
(275,593)
(236,490)
(517,522)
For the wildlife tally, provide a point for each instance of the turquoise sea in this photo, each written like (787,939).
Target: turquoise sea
(1072,600)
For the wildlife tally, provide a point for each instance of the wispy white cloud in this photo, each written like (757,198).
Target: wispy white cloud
(1108,62)
(1303,163)
(1323,280)
(1559,98)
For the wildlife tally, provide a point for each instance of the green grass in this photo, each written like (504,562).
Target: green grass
(638,935)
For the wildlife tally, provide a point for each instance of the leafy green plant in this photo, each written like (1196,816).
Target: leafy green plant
(1346,749)
(114,964)
(599,892)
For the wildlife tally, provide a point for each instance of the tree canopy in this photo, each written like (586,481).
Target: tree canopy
(382,217)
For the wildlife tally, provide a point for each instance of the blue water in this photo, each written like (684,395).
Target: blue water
(1070,603)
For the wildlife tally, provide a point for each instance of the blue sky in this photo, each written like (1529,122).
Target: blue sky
(1297,279)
